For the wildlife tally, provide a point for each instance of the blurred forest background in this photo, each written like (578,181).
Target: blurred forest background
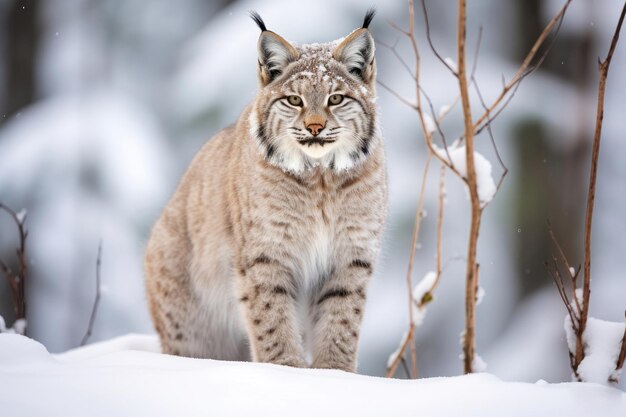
(104,103)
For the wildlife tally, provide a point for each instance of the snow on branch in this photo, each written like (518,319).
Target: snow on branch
(485,183)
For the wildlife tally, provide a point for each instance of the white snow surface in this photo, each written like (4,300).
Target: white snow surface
(19,326)
(603,340)
(429,123)
(119,378)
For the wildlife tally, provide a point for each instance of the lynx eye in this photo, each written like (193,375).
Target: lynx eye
(294,100)
(335,99)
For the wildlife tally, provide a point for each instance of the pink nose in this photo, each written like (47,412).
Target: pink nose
(314,128)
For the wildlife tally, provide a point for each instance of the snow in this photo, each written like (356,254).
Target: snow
(485,182)
(118,378)
(395,353)
(19,326)
(429,124)
(478,364)
(602,340)
(480,294)
(572,271)
(422,296)
(451,63)
(21,215)
(443,110)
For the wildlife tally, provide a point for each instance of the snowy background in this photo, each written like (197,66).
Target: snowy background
(103,105)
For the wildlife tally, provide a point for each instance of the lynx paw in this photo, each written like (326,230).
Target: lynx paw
(294,361)
(342,366)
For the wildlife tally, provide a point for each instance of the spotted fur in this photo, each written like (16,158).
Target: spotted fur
(273,233)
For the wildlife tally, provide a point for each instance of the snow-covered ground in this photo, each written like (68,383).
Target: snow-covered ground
(128,377)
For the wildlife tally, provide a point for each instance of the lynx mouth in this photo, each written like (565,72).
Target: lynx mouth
(316,141)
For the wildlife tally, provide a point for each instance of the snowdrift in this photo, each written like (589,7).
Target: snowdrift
(128,377)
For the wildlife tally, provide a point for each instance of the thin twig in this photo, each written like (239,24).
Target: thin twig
(476,51)
(427,135)
(391,370)
(397,95)
(436,120)
(622,352)
(560,286)
(438,257)
(406,368)
(509,89)
(522,71)
(573,277)
(399,57)
(17,281)
(505,170)
(430,41)
(416,230)
(96,302)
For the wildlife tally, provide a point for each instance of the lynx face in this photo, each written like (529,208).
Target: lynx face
(316,103)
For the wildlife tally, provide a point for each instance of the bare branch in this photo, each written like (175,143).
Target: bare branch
(397,95)
(416,230)
(476,51)
(399,57)
(391,370)
(471,270)
(96,302)
(558,281)
(17,281)
(436,120)
(522,71)
(406,368)
(622,352)
(430,41)
(438,268)
(573,277)
(505,170)
(591,195)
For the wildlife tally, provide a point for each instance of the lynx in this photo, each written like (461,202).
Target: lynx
(266,248)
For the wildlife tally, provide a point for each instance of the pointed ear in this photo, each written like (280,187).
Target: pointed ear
(275,53)
(357,53)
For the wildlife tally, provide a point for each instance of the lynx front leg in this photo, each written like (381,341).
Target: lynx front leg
(338,312)
(266,291)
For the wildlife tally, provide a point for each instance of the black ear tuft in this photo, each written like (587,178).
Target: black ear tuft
(259,21)
(371,12)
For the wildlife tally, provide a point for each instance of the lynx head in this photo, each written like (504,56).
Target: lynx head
(316,102)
